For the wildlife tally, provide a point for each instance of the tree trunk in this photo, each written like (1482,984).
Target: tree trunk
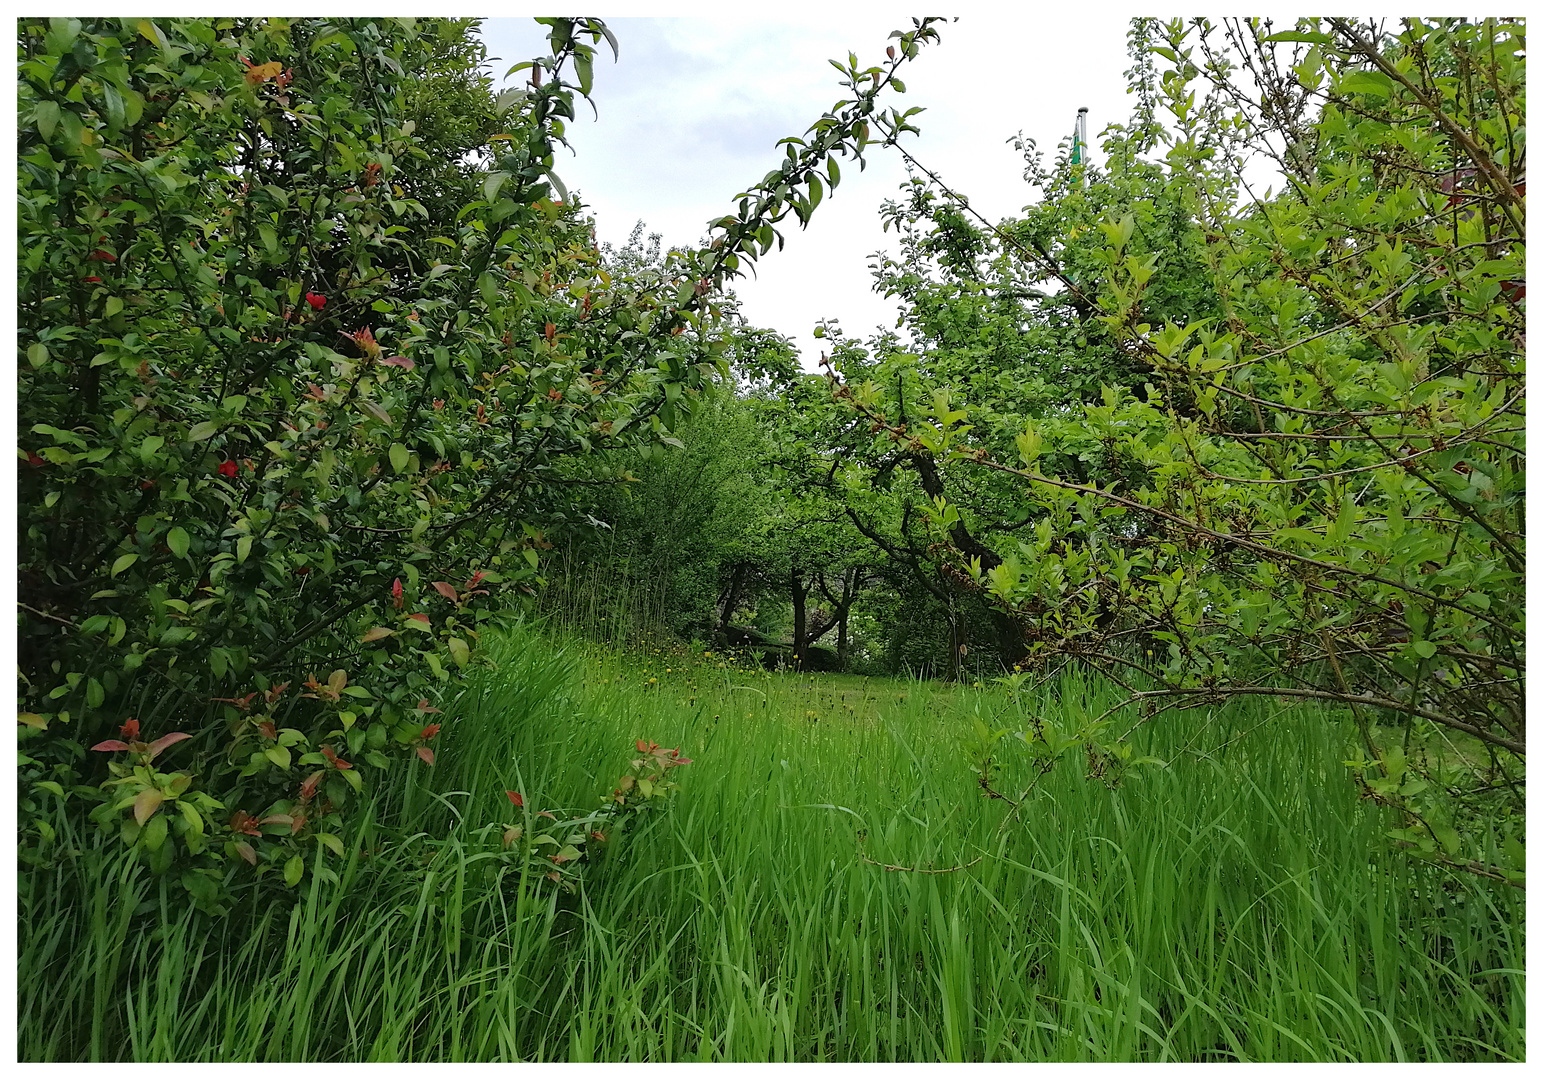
(736,585)
(848,588)
(955,644)
(800,594)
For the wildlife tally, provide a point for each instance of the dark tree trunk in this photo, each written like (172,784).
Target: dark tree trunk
(800,594)
(736,585)
(848,594)
(955,642)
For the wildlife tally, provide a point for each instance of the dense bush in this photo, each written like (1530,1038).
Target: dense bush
(1304,473)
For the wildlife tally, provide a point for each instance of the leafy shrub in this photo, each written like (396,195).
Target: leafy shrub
(289,439)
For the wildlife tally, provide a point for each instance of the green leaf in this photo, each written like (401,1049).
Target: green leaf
(154,834)
(399,457)
(558,184)
(46,115)
(1373,83)
(191,815)
(459,651)
(373,409)
(294,870)
(1307,37)
(150,447)
(123,562)
(243,548)
(153,34)
(610,39)
(202,431)
(177,541)
(279,755)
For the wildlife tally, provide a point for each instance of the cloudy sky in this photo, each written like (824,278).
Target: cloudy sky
(691,115)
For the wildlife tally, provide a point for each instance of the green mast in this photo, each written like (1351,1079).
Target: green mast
(1080,138)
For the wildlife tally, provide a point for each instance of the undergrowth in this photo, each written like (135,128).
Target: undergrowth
(1238,902)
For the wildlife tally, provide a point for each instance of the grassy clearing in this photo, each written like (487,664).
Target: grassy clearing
(1236,905)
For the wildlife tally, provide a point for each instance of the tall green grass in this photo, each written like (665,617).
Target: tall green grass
(1235,905)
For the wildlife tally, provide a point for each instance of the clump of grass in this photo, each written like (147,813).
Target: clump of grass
(1238,904)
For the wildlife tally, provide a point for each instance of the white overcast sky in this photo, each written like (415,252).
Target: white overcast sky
(691,115)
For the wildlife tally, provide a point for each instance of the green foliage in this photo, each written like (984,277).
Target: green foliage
(298,399)
(1317,489)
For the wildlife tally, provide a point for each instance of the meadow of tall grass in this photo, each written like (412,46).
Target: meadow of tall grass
(1237,903)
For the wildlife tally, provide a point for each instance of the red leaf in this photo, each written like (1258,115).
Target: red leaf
(425,707)
(242,822)
(308,788)
(420,617)
(167,740)
(429,732)
(516,798)
(130,729)
(375,633)
(227,468)
(245,851)
(399,361)
(445,589)
(110,745)
(426,754)
(396,592)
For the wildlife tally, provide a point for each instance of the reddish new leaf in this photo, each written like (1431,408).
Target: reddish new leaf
(426,754)
(147,804)
(245,851)
(399,361)
(516,798)
(445,589)
(111,745)
(167,740)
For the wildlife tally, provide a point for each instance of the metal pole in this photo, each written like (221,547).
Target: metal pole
(1081,137)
